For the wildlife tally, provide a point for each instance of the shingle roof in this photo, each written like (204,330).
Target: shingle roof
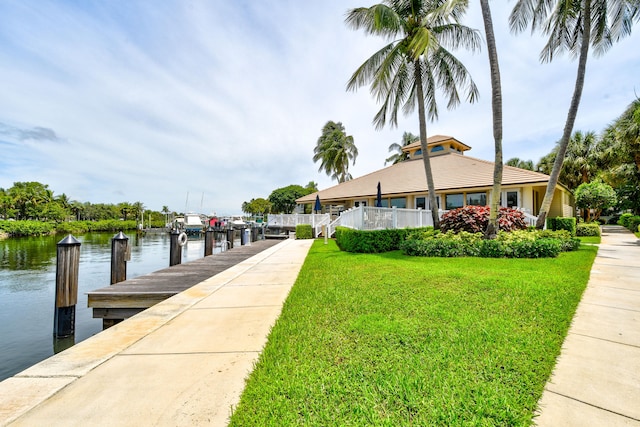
(450,172)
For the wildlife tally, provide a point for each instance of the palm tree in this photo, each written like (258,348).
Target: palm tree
(580,161)
(573,25)
(334,150)
(496,106)
(408,71)
(518,163)
(395,148)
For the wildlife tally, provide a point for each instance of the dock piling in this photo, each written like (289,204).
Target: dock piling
(120,254)
(175,250)
(67,262)
(209,241)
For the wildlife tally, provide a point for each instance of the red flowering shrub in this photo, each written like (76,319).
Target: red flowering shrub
(474,219)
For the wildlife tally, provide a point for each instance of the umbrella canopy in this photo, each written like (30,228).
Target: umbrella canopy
(318,206)
(379,197)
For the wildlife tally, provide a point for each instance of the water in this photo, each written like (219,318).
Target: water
(27,289)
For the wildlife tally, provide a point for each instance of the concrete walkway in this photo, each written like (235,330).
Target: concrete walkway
(596,381)
(181,362)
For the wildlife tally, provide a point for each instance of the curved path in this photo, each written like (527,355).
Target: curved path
(596,380)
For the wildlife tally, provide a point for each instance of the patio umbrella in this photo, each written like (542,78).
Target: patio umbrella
(379,197)
(318,206)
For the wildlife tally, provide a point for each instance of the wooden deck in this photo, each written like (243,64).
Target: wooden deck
(125,299)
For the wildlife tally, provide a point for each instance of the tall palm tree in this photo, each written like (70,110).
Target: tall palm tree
(574,26)
(395,148)
(334,150)
(408,71)
(496,106)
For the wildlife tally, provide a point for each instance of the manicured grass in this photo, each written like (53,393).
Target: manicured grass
(386,339)
(590,239)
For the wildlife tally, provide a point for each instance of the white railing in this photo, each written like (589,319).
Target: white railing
(366,218)
(371,218)
(291,220)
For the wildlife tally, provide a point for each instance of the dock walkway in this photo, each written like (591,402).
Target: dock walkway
(181,362)
(125,299)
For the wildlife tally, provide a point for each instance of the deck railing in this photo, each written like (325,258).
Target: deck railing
(372,218)
(291,220)
(366,218)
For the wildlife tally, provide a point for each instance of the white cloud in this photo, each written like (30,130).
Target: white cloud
(225,100)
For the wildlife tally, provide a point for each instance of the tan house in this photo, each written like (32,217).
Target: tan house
(459,180)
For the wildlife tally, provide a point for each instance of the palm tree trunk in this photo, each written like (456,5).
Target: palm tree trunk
(423,145)
(571,117)
(496,104)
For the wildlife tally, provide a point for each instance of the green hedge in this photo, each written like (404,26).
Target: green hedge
(304,231)
(560,223)
(519,244)
(633,224)
(374,241)
(624,219)
(588,229)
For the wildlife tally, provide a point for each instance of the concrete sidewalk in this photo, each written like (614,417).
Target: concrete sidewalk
(596,381)
(181,362)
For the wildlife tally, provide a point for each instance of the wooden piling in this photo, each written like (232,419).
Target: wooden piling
(175,250)
(120,254)
(209,241)
(230,233)
(67,263)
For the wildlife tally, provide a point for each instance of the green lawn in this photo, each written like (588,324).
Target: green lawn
(385,339)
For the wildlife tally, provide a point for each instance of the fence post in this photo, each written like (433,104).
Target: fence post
(394,217)
(67,263)
(120,254)
(175,250)
(209,241)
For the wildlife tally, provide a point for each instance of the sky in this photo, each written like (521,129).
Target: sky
(201,105)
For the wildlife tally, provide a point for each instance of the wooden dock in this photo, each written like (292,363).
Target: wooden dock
(125,299)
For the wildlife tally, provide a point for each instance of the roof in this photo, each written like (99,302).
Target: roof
(450,172)
(436,140)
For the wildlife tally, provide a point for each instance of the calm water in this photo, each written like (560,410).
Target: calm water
(27,289)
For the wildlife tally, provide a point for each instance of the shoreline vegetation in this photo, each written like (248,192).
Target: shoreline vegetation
(27,228)
(390,339)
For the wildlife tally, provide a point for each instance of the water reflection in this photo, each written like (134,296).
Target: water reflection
(27,289)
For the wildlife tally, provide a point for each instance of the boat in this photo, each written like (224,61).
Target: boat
(192,224)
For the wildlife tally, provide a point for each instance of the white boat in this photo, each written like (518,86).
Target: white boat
(193,223)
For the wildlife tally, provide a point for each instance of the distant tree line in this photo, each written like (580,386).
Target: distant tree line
(36,201)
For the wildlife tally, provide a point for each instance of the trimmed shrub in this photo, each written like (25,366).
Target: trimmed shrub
(588,229)
(517,244)
(375,241)
(474,219)
(624,219)
(304,231)
(560,223)
(633,223)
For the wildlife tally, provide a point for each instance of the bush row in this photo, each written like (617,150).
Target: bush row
(374,241)
(518,244)
(630,221)
(41,228)
(304,231)
(588,229)
(559,223)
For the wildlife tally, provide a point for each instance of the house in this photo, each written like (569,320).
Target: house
(459,180)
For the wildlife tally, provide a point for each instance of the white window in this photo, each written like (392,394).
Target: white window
(510,199)
(423,202)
